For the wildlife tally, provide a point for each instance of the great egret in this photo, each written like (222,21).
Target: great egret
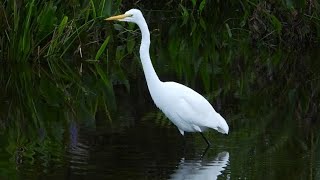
(187,109)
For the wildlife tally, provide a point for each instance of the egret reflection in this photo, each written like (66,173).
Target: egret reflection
(191,112)
(201,169)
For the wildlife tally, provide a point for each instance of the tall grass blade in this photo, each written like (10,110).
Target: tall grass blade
(94,13)
(62,25)
(102,48)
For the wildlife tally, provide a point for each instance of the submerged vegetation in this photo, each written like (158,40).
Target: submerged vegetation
(60,62)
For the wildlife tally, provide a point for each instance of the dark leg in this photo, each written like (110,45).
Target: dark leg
(209,144)
(204,152)
(184,145)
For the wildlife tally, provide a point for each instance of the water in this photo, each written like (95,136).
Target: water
(145,149)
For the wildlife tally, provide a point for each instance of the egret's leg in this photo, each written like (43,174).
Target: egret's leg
(184,143)
(184,146)
(204,152)
(209,144)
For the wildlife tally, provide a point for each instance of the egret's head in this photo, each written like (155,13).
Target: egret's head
(133,15)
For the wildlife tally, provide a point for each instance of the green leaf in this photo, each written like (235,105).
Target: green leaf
(122,77)
(108,85)
(194,26)
(203,24)
(94,13)
(202,5)
(194,2)
(118,27)
(62,25)
(228,30)
(276,23)
(102,8)
(102,48)
(185,15)
(130,45)
(46,20)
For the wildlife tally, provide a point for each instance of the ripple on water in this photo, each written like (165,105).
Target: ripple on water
(78,153)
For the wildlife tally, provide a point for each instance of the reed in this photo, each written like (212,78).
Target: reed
(60,63)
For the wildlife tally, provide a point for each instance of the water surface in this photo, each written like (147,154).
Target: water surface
(268,97)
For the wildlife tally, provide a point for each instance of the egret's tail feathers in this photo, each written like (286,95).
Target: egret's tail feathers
(221,125)
(181,131)
(220,130)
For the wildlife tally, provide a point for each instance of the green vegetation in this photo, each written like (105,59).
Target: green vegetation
(33,30)
(60,62)
(50,53)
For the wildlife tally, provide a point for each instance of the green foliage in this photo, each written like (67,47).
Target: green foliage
(33,29)
(102,48)
(60,62)
(52,42)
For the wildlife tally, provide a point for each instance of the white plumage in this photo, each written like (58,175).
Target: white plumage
(187,109)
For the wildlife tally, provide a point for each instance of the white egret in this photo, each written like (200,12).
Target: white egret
(187,109)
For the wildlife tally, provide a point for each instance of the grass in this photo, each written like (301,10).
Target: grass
(70,45)
(59,62)
(55,41)
(34,30)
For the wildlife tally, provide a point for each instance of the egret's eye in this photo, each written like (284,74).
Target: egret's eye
(187,109)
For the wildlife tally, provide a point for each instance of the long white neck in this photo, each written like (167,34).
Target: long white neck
(152,79)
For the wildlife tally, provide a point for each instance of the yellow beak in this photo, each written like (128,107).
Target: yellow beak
(122,16)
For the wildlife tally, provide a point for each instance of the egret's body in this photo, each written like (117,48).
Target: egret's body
(187,109)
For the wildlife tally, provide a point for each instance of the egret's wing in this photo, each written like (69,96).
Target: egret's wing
(192,113)
(193,108)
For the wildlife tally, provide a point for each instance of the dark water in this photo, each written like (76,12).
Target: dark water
(269,99)
(139,147)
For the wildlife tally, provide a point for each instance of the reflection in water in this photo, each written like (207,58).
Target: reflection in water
(201,169)
(78,151)
(271,101)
